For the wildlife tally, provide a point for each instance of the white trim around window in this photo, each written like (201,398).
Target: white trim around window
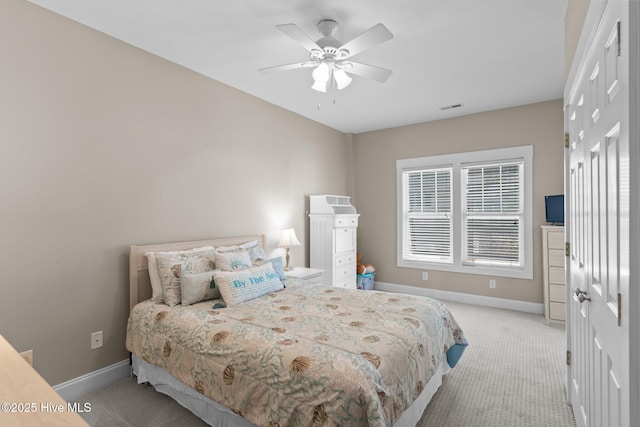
(445,201)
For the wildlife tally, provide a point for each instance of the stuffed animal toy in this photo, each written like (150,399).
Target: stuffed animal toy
(363,268)
(360,267)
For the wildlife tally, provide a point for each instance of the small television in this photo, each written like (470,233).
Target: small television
(554,209)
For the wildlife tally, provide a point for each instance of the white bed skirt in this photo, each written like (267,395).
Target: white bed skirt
(219,416)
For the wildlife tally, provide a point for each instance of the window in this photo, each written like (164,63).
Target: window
(468,212)
(427,236)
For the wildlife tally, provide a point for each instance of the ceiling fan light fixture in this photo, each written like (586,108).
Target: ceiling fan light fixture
(321,72)
(342,79)
(321,75)
(328,56)
(319,86)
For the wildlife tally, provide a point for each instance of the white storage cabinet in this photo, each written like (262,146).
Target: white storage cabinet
(333,234)
(555,291)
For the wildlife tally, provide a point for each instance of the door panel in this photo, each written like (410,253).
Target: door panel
(598,185)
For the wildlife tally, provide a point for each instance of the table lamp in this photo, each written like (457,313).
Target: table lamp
(288,239)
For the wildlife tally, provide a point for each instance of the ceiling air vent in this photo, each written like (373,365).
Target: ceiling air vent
(449,107)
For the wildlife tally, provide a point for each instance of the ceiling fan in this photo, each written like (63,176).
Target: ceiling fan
(329,58)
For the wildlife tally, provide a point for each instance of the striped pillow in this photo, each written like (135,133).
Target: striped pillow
(244,285)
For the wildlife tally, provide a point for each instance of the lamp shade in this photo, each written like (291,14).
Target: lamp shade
(288,239)
(321,75)
(342,79)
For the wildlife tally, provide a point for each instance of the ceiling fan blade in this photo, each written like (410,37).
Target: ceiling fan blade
(293,31)
(369,71)
(367,39)
(289,66)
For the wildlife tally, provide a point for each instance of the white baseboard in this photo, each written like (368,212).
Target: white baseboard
(76,387)
(509,304)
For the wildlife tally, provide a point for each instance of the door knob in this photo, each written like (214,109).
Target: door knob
(581,295)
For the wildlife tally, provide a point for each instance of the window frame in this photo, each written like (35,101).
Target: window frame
(457,162)
(432,215)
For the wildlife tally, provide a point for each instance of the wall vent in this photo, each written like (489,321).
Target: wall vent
(449,107)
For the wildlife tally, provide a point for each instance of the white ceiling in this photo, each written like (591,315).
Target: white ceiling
(486,55)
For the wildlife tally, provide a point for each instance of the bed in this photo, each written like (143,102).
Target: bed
(303,355)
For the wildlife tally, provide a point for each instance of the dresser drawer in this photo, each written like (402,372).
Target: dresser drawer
(556,258)
(557,293)
(350,258)
(346,274)
(345,259)
(556,275)
(345,282)
(555,240)
(557,311)
(345,222)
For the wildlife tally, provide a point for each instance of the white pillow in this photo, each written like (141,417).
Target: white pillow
(233,261)
(228,248)
(253,247)
(278,266)
(197,287)
(255,251)
(156,283)
(171,267)
(244,285)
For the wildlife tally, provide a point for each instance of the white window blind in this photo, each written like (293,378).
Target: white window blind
(467,212)
(426,225)
(493,214)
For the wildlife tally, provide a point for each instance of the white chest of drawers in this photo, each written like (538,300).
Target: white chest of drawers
(553,260)
(333,235)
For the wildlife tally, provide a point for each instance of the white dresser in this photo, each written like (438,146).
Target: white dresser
(333,234)
(553,260)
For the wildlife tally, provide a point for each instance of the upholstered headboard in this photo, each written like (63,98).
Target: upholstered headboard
(139,281)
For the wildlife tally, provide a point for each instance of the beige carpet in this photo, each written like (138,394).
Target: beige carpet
(512,374)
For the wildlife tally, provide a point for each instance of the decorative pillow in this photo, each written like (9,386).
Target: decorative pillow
(156,284)
(233,261)
(171,266)
(228,248)
(255,251)
(244,285)
(278,266)
(197,287)
(253,247)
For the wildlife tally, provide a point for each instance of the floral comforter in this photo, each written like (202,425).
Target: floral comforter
(308,355)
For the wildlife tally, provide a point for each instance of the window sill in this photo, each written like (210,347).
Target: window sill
(523,273)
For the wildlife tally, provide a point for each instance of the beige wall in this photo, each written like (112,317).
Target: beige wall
(540,125)
(102,146)
(573,22)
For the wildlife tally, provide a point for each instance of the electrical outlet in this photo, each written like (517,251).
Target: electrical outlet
(425,275)
(96,340)
(492,283)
